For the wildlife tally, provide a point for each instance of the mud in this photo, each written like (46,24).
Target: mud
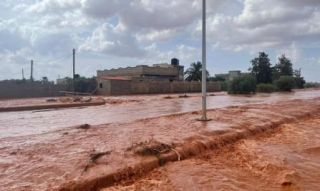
(287,159)
(63,159)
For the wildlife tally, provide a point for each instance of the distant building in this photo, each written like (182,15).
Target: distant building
(143,79)
(157,72)
(231,75)
(63,81)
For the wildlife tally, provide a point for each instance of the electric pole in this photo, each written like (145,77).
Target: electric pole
(31,72)
(23,74)
(74,68)
(204,62)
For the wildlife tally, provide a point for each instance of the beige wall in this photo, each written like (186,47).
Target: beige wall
(120,87)
(11,90)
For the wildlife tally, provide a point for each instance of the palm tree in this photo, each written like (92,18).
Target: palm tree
(194,73)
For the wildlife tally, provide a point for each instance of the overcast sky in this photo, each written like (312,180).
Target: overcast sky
(118,33)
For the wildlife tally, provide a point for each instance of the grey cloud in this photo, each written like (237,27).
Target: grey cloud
(11,41)
(265,24)
(54,44)
(103,9)
(112,40)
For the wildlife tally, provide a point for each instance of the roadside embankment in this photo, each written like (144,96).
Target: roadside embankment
(65,102)
(94,157)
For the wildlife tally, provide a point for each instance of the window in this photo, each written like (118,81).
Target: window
(100,85)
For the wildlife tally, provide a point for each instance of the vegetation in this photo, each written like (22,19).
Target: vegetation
(264,77)
(225,86)
(312,85)
(266,88)
(242,85)
(285,83)
(282,68)
(82,84)
(194,73)
(261,68)
(299,80)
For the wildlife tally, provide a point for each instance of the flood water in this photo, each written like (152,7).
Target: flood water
(136,107)
(285,161)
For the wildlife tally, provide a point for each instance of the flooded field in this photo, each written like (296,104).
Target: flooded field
(123,109)
(286,160)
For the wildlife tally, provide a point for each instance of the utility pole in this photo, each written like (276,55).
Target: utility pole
(31,72)
(204,62)
(74,68)
(23,74)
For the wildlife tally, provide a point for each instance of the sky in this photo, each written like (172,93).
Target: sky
(119,33)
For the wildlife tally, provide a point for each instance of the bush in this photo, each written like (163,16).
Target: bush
(299,82)
(312,85)
(266,88)
(242,85)
(285,83)
(224,86)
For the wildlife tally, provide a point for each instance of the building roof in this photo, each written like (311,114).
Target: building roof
(114,78)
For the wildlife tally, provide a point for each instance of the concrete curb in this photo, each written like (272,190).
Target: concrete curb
(193,147)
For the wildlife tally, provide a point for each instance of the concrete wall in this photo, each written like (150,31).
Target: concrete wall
(13,89)
(129,71)
(123,87)
(120,87)
(170,71)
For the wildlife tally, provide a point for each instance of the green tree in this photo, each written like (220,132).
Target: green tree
(242,85)
(283,68)
(285,83)
(299,80)
(261,68)
(194,73)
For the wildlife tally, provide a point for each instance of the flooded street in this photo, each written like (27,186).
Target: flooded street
(91,157)
(123,109)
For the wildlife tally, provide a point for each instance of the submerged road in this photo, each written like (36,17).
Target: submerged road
(128,108)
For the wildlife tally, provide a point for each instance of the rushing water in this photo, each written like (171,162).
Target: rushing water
(37,122)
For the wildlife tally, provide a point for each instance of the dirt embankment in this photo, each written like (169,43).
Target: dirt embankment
(285,160)
(50,103)
(93,157)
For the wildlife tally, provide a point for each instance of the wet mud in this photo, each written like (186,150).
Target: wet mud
(91,158)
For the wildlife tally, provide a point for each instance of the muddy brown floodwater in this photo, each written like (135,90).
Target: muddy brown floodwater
(81,157)
(123,109)
(286,160)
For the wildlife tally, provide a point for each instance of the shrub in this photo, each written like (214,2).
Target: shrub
(242,85)
(266,88)
(312,85)
(285,83)
(224,86)
(299,82)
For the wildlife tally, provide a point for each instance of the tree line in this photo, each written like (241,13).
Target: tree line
(262,77)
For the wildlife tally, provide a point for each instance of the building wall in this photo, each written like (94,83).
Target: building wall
(12,89)
(129,71)
(104,87)
(120,87)
(139,71)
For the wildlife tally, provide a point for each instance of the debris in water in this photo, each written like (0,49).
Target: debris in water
(184,96)
(95,156)
(84,126)
(151,147)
